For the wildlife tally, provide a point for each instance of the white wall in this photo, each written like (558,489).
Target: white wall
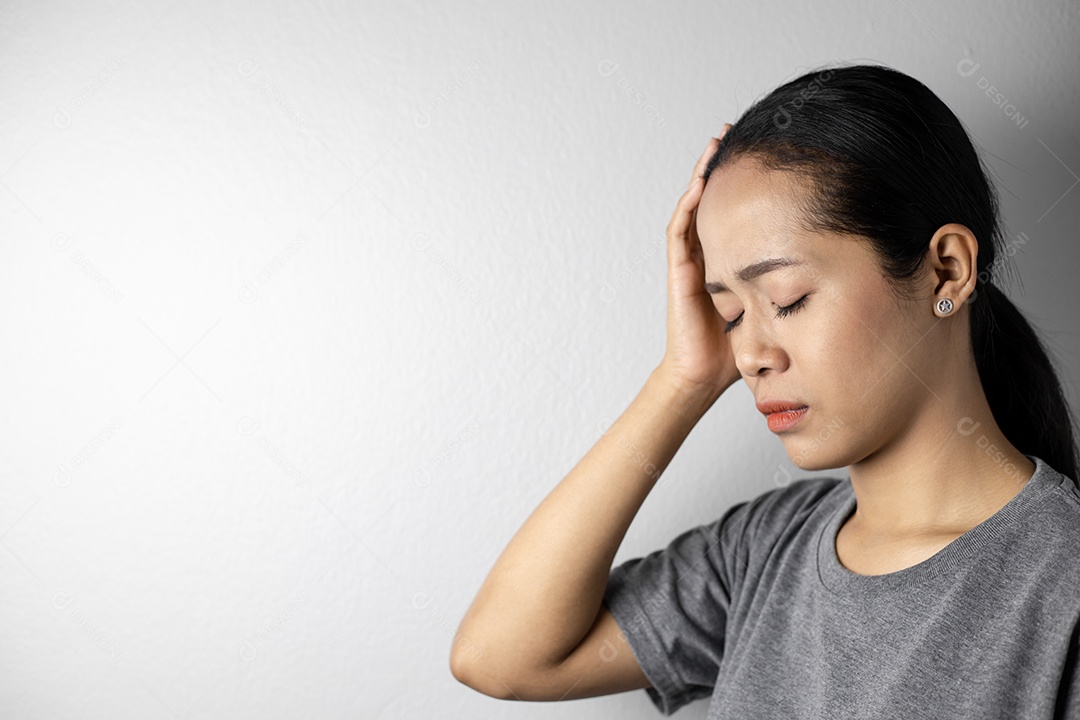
(306,306)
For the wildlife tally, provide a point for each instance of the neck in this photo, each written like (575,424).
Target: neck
(950,469)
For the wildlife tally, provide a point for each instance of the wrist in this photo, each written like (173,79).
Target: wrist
(689,397)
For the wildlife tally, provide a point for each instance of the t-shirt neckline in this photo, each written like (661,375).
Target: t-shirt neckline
(842,581)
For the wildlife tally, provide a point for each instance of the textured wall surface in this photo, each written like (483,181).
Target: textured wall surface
(306,306)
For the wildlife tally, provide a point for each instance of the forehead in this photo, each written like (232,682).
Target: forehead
(748,212)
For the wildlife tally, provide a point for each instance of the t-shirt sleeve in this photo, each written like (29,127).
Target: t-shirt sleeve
(672,605)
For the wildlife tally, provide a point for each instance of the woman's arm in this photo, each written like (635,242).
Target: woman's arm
(537,629)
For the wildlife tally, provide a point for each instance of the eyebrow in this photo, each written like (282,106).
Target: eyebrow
(750,272)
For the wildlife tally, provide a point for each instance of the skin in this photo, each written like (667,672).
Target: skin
(889,381)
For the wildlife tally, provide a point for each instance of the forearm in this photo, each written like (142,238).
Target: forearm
(545,589)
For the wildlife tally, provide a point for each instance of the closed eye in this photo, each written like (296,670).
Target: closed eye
(780,312)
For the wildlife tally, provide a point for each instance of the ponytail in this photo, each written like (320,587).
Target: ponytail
(1019,381)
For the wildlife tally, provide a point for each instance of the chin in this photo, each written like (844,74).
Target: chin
(828,447)
(816,456)
(812,464)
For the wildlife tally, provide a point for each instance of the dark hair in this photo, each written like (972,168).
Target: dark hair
(863,133)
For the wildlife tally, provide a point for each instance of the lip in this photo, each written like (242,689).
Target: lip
(785,419)
(782,415)
(768,407)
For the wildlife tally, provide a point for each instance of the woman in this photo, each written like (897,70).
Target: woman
(836,250)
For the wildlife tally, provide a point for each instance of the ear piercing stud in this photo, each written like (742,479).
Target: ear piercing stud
(944,306)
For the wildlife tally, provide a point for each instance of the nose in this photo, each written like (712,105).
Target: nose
(758,352)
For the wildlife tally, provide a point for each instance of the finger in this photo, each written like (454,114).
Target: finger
(679,230)
(710,148)
(693,244)
(678,227)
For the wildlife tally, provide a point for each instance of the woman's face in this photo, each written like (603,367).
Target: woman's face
(858,358)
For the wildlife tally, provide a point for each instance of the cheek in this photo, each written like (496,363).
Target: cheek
(890,387)
(852,360)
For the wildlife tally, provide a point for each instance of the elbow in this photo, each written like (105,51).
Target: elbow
(462,666)
(475,677)
(469,667)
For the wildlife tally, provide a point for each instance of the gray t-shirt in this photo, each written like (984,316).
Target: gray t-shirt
(756,611)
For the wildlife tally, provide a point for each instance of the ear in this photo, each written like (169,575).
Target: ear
(952,256)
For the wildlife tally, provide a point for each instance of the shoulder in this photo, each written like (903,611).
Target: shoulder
(1040,540)
(784,506)
(1065,493)
(1057,519)
(1057,510)
(774,517)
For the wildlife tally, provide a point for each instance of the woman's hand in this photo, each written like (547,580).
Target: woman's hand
(698,356)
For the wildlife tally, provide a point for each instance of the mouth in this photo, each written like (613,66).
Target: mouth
(782,415)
